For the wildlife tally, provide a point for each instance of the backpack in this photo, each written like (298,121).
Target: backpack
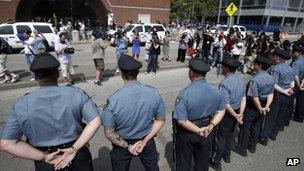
(5,47)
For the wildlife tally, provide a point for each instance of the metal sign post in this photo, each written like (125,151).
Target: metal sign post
(231,10)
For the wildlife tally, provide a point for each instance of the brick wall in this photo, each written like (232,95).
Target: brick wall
(123,10)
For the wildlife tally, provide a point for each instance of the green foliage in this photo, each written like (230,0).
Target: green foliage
(181,9)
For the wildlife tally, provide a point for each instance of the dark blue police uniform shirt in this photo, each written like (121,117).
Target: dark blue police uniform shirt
(50,116)
(198,100)
(282,75)
(132,109)
(260,85)
(298,67)
(233,89)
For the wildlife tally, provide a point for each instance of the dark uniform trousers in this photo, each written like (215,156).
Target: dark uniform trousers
(251,128)
(299,112)
(188,144)
(121,157)
(282,116)
(82,161)
(290,110)
(277,107)
(224,137)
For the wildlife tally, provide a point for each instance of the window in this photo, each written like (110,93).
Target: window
(147,28)
(138,28)
(236,29)
(159,28)
(129,28)
(22,28)
(242,28)
(6,30)
(43,29)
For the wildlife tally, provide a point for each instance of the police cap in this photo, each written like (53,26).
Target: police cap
(282,54)
(44,63)
(264,60)
(199,66)
(232,62)
(128,63)
(297,48)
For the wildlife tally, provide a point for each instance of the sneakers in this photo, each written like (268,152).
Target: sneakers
(117,71)
(6,80)
(14,78)
(98,83)
(154,73)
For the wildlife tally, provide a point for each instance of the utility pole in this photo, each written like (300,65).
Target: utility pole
(219,12)
(192,13)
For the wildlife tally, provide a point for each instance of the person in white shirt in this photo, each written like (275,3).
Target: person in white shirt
(237,49)
(64,50)
(148,38)
(30,49)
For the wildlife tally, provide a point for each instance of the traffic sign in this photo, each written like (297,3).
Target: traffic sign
(231,9)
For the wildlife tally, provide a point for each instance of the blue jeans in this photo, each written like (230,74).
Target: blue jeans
(152,63)
(29,60)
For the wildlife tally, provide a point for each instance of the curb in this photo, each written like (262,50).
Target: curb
(80,79)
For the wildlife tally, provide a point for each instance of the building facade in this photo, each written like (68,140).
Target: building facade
(266,14)
(132,10)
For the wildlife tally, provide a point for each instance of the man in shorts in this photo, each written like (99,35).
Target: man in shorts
(99,45)
(8,75)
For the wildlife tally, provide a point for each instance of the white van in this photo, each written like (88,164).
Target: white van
(143,28)
(9,32)
(225,28)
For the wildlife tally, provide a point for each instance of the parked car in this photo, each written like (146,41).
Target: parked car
(142,29)
(9,32)
(225,28)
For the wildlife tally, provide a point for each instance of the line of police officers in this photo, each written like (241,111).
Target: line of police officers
(58,121)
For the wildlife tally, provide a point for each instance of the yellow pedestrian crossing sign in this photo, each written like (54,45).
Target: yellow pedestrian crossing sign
(231,9)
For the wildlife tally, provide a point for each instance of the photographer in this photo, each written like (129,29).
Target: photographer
(182,48)
(64,50)
(153,55)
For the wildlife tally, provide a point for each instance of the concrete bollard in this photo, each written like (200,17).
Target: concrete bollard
(75,36)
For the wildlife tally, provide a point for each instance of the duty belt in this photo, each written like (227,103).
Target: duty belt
(51,149)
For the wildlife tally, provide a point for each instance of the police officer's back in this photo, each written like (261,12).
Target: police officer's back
(298,67)
(51,118)
(259,98)
(132,116)
(199,107)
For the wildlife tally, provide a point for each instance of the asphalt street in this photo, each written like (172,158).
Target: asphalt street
(289,143)
(83,64)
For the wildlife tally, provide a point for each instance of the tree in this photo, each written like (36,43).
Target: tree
(181,9)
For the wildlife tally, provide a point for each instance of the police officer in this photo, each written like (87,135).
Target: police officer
(132,117)
(298,67)
(259,98)
(233,90)
(283,76)
(51,118)
(199,108)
